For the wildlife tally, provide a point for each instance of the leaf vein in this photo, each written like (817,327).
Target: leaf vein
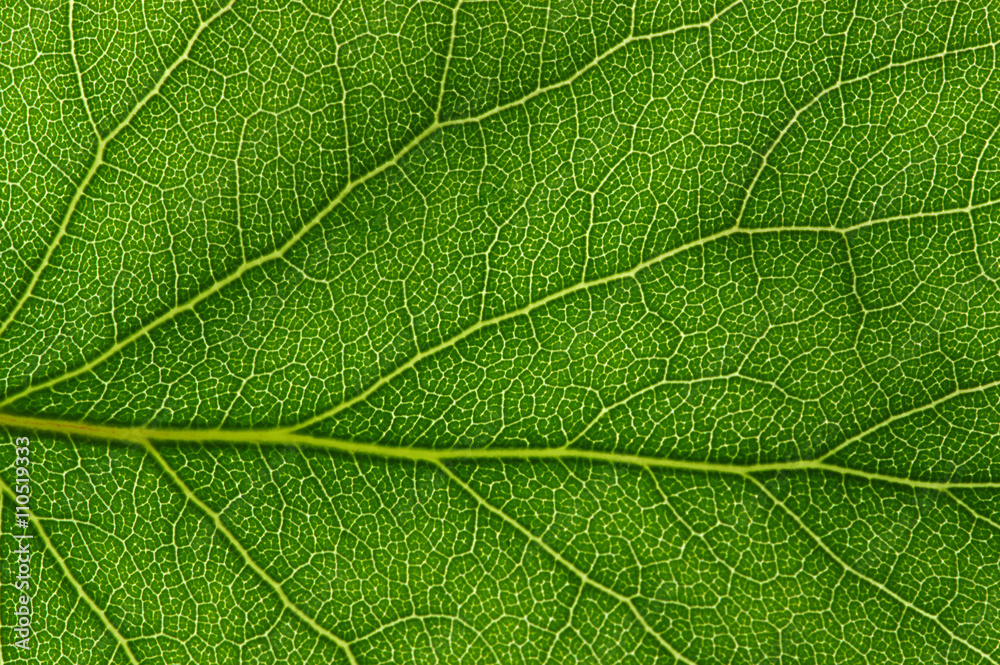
(121,640)
(873,582)
(586,579)
(298,235)
(95,165)
(244,554)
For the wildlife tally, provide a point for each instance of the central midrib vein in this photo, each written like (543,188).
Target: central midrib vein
(274,437)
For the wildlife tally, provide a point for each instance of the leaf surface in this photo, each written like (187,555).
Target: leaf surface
(503,332)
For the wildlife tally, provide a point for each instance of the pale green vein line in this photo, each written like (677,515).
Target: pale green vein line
(875,583)
(217,521)
(605,410)
(447,60)
(102,144)
(898,480)
(905,414)
(296,237)
(695,534)
(168,72)
(485,323)
(843,230)
(263,574)
(81,592)
(52,245)
(545,37)
(219,285)
(567,624)
(593,63)
(283,438)
(826,91)
(79,73)
(521,311)
(586,579)
(972,511)
(979,162)
(972,194)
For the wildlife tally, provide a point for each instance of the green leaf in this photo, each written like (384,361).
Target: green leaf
(502,332)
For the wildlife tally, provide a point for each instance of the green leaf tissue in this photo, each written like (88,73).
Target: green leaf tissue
(499,332)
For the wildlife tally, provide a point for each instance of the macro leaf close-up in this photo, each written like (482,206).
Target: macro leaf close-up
(499,331)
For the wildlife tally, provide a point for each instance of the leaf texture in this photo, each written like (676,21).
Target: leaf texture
(502,331)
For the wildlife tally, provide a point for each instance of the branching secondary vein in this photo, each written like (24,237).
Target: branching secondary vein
(875,583)
(263,574)
(292,241)
(123,643)
(586,579)
(95,165)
